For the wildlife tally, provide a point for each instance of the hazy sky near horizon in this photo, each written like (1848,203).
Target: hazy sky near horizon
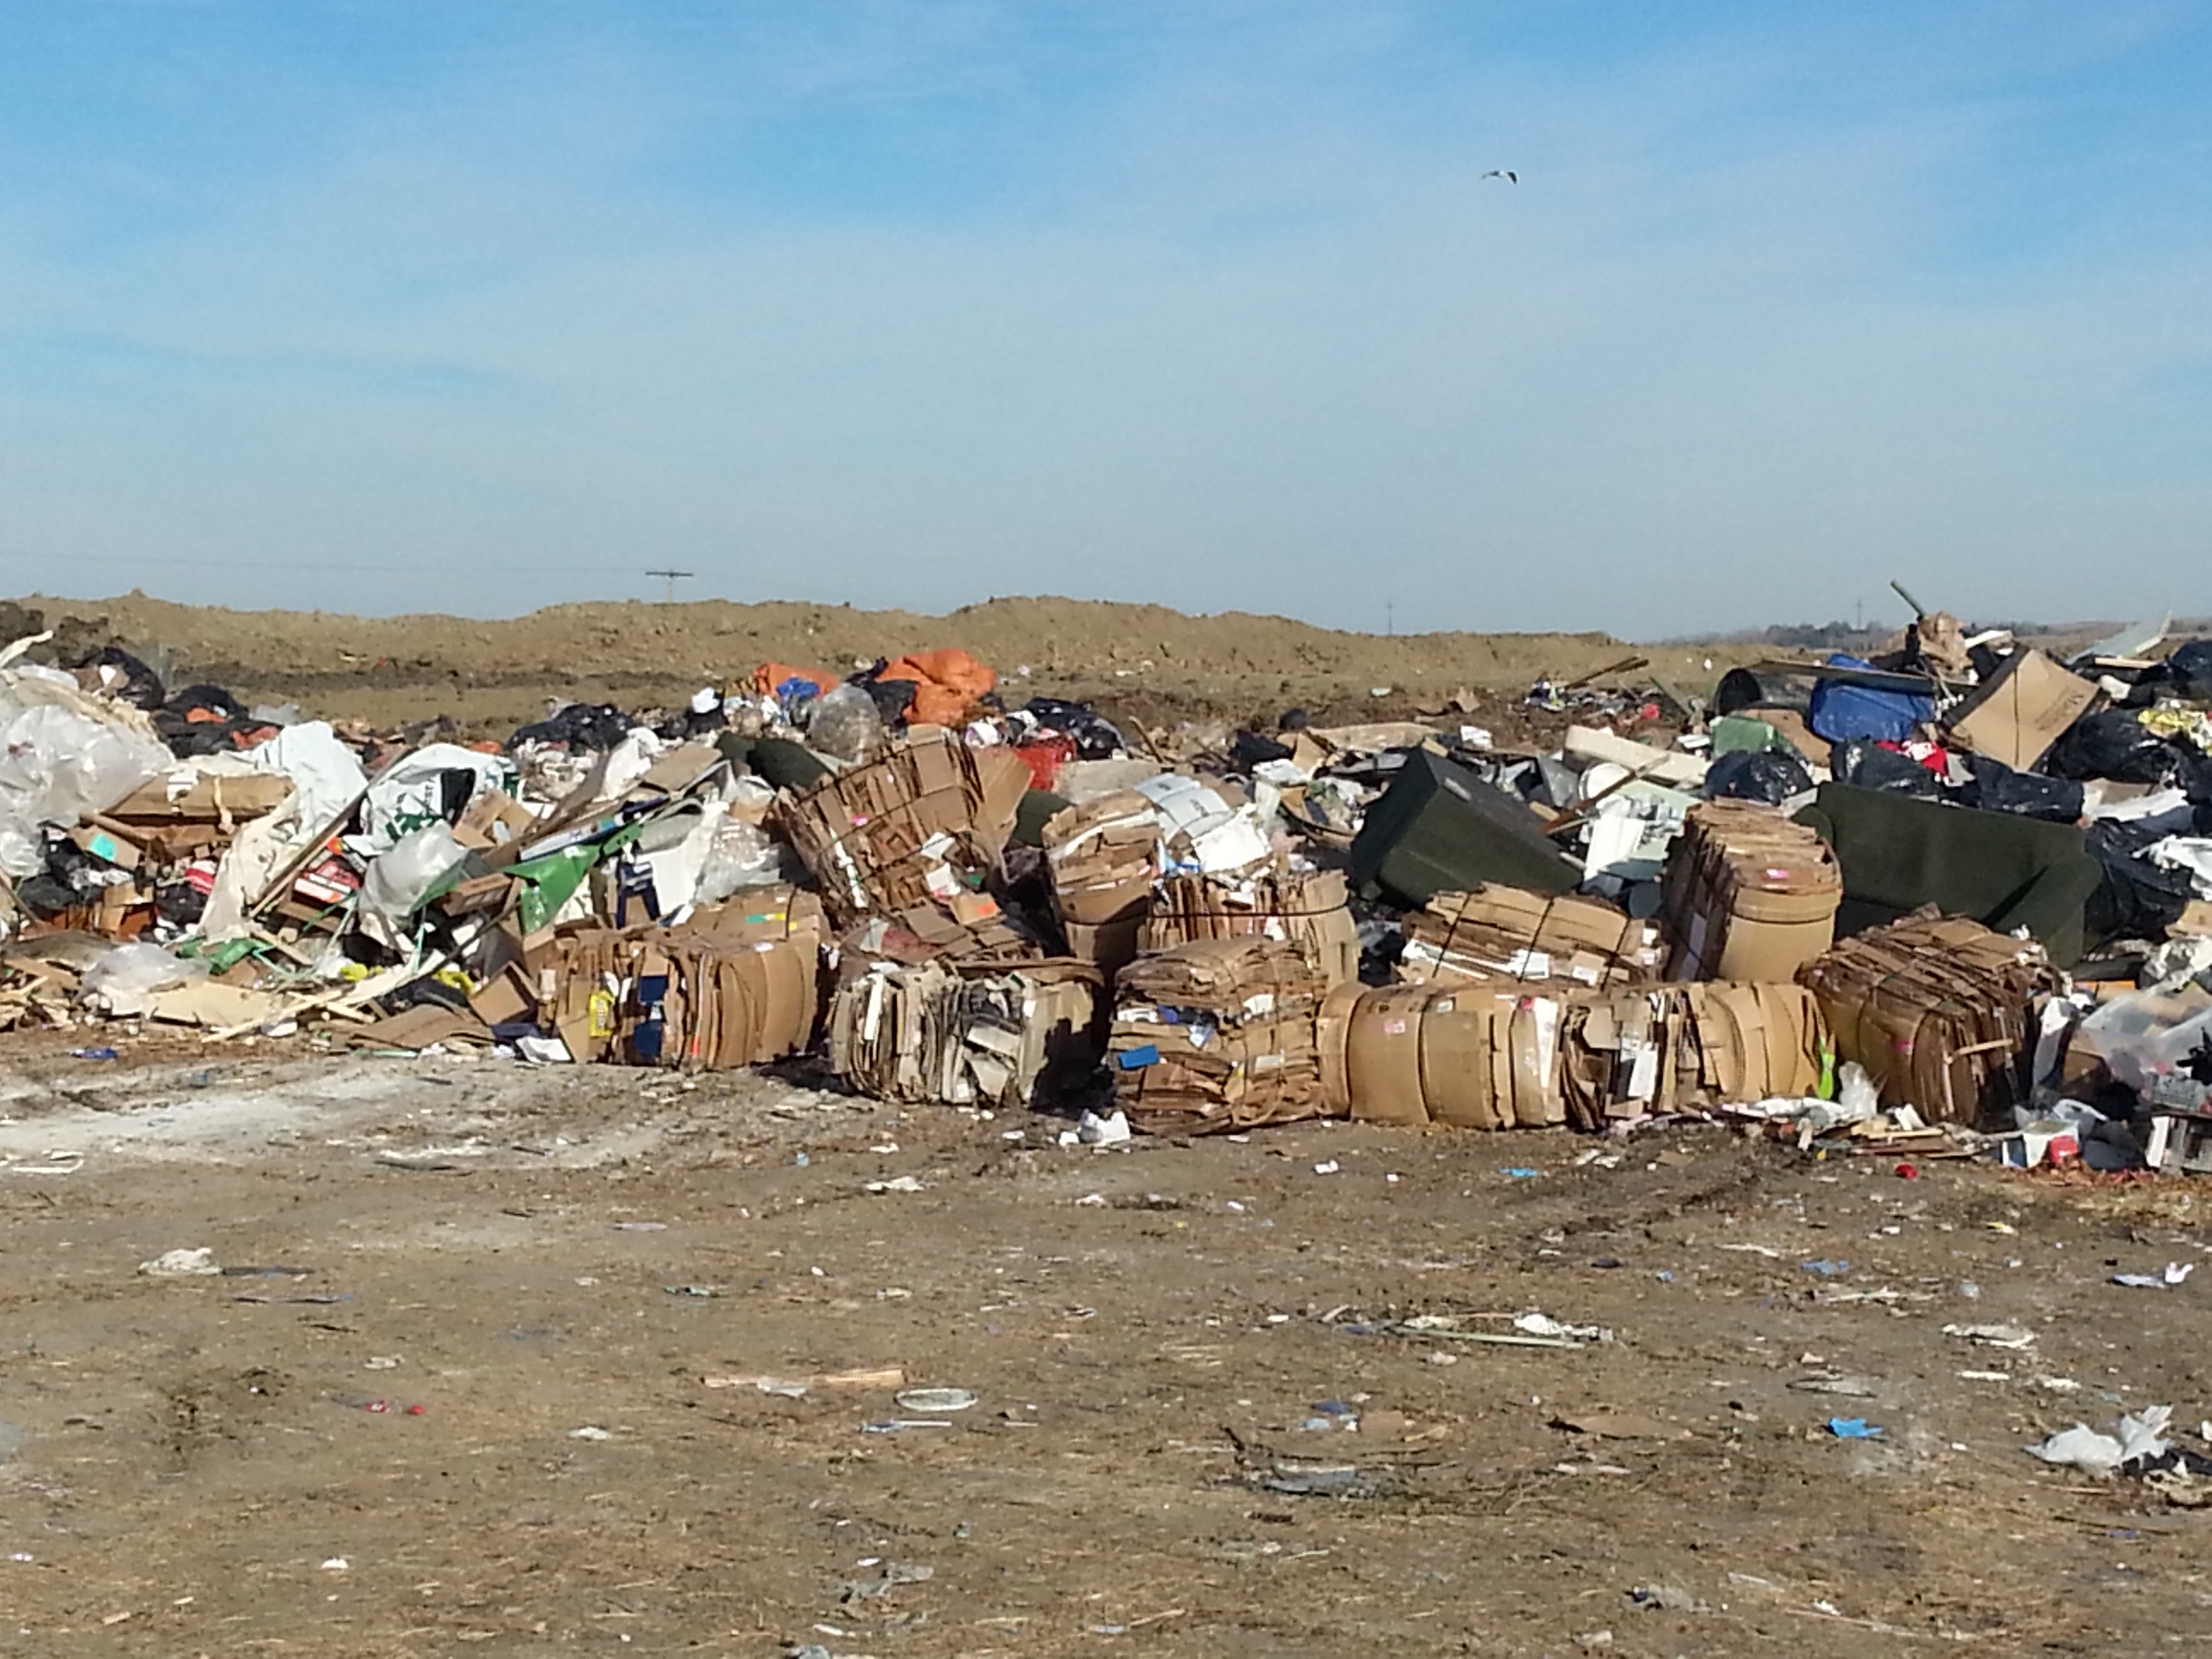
(478,305)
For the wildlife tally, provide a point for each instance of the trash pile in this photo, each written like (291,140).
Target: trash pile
(1953,897)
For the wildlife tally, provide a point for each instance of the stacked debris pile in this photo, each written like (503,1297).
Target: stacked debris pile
(1219,1034)
(1503,933)
(1843,895)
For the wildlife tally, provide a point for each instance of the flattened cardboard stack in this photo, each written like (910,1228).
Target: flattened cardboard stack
(1500,1056)
(1938,1010)
(1104,857)
(1308,911)
(1472,1056)
(960,1033)
(739,985)
(1630,1053)
(924,824)
(1504,934)
(1749,895)
(1217,1035)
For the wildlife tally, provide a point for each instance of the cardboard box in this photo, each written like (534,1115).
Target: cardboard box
(1219,1034)
(929,817)
(968,1034)
(2022,709)
(1940,1010)
(1502,933)
(1748,895)
(206,797)
(121,850)
(1307,910)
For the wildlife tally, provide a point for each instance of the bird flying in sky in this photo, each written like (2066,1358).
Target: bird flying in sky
(1500,172)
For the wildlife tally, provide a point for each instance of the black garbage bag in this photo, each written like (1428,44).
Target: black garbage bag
(1096,737)
(2188,672)
(1996,787)
(1293,719)
(1739,690)
(594,728)
(180,903)
(206,720)
(1249,749)
(139,685)
(892,698)
(1757,774)
(2113,744)
(210,701)
(1869,766)
(2135,899)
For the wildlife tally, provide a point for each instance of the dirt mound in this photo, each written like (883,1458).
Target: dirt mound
(1146,658)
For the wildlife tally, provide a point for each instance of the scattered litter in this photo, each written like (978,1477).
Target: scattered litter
(1848,1387)
(182,1264)
(1853,1428)
(881,1377)
(895,1424)
(2140,1436)
(1994,1336)
(1827,1269)
(2175,1274)
(1665,1598)
(1111,1130)
(937,1399)
(1538,1324)
(905,1184)
(1328,1167)
(1617,1425)
(590,1431)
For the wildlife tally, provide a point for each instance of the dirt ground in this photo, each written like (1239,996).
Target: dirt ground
(548,1263)
(1141,662)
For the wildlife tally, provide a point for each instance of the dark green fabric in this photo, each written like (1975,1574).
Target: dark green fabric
(1038,806)
(2005,871)
(784,764)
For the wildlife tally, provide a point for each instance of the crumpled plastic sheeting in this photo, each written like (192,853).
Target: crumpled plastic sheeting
(2102,1454)
(2190,853)
(412,791)
(63,755)
(326,775)
(327,779)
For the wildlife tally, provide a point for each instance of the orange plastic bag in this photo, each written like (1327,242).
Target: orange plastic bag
(947,684)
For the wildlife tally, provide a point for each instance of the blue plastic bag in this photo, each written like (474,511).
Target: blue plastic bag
(1842,713)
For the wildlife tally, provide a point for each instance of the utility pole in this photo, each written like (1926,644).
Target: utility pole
(673,577)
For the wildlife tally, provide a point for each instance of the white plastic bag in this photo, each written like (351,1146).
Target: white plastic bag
(397,880)
(58,766)
(739,856)
(130,970)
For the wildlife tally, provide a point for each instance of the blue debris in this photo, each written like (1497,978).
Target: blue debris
(1853,1428)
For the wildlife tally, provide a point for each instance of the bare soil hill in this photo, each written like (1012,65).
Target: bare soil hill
(1142,660)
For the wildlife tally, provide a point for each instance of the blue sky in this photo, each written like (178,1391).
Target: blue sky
(479,305)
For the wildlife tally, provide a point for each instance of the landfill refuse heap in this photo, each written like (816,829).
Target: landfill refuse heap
(1954,897)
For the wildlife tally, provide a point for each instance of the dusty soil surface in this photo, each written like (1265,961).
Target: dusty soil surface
(1143,661)
(198,1465)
